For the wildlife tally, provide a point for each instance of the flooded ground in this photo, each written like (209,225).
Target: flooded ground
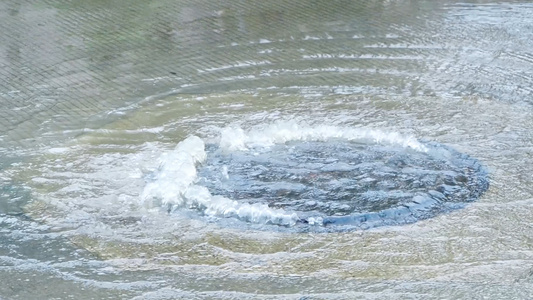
(102,197)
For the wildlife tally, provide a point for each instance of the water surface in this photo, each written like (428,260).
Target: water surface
(95,96)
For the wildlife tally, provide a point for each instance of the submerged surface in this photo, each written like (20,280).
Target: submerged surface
(147,150)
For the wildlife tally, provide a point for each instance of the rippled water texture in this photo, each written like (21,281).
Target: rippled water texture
(334,178)
(266,149)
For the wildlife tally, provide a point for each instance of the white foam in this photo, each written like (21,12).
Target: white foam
(174,187)
(177,172)
(235,138)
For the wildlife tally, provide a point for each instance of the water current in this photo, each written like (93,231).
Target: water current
(266,150)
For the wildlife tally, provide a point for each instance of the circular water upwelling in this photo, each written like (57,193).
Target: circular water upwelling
(317,178)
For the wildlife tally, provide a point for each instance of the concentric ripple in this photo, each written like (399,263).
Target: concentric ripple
(320,178)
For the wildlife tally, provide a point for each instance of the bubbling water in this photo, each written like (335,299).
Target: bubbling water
(320,178)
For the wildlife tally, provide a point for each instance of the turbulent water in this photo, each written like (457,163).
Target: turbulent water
(331,178)
(289,149)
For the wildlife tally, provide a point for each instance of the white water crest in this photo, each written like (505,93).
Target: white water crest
(175,188)
(235,138)
(176,182)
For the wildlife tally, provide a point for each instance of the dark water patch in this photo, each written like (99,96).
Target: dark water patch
(340,185)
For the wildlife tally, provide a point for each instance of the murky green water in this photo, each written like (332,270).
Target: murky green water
(95,94)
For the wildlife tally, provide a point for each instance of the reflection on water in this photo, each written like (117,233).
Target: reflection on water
(95,93)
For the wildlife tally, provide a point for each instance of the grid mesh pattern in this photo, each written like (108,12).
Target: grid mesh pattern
(69,65)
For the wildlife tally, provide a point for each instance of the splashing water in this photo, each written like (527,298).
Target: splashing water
(295,175)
